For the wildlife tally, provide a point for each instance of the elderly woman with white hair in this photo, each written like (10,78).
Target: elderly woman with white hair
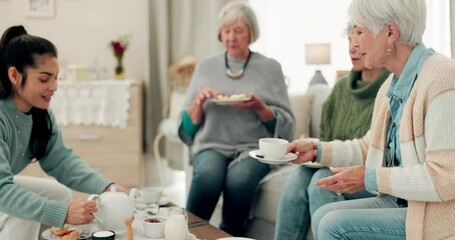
(220,136)
(407,156)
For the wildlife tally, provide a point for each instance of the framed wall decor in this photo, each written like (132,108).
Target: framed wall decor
(40,8)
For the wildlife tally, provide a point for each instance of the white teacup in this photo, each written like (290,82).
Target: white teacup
(151,195)
(273,148)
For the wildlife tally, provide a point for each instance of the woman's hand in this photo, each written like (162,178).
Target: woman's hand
(303,150)
(345,180)
(118,188)
(80,212)
(264,112)
(195,110)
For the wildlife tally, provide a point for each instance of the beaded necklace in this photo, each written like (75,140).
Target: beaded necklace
(239,74)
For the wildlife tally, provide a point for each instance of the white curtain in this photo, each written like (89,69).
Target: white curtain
(452,27)
(177,28)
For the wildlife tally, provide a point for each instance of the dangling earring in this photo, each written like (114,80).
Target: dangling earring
(389,50)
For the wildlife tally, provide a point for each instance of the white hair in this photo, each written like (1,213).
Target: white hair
(238,10)
(409,15)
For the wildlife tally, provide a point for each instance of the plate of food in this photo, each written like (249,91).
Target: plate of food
(260,157)
(313,165)
(235,238)
(68,232)
(230,99)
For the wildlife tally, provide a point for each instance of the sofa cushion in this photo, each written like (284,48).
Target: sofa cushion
(269,192)
(302,106)
(320,92)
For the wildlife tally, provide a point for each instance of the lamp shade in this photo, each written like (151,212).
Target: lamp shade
(317,53)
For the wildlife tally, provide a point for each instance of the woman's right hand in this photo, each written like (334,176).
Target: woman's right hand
(195,110)
(303,150)
(80,212)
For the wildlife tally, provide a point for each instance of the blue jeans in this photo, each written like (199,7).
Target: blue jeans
(301,197)
(293,216)
(238,183)
(370,218)
(319,196)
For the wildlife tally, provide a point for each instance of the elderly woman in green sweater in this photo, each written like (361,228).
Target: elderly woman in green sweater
(407,156)
(346,114)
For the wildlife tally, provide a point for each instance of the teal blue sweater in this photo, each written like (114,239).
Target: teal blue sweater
(59,161)
(347,112)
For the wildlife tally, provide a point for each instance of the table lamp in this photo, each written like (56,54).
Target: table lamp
(317,54)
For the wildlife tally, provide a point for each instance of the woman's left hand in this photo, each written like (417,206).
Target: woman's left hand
(119,188)
(345,180)
(255,103)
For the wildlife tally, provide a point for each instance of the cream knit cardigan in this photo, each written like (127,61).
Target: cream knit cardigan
(427,140)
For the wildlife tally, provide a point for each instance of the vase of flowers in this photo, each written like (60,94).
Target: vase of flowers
(119,47)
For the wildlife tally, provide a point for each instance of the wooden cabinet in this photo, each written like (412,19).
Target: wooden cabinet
(115,152)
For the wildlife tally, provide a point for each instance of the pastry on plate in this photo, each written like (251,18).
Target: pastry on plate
(238,96)
(70,235)
(65,233)
(59,231)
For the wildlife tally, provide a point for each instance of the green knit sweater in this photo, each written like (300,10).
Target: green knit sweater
(347,112)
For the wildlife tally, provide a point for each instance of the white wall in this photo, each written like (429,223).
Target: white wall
(287,25)
(82,30)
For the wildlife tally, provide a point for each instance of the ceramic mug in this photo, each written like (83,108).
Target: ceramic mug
(103,235)
(273,148)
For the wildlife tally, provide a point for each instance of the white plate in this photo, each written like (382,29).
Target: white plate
(286,158)
(47,234)
(313,165)
(190,237)
(235,238)
(229,101)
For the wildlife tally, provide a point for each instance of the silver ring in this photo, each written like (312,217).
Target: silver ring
(338,192)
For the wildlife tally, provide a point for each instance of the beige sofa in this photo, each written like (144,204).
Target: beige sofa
(307,110)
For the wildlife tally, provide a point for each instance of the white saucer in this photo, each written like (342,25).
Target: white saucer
(235,238)
(229,101)
(286,158)
(313,165)
(190,237)
(163,201)
(47,234)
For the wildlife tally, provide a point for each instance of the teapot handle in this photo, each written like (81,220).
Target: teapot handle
(96,198)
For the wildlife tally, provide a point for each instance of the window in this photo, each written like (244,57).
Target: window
(287,25)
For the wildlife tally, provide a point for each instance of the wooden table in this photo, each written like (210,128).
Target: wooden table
(204,230)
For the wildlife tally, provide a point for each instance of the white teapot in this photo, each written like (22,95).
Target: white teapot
(113,208)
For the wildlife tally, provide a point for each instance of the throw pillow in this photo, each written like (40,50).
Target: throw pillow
(302,107)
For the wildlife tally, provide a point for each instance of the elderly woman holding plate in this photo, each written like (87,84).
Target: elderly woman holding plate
(407,156)
(220,135)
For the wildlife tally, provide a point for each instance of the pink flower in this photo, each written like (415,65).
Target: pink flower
(119,46)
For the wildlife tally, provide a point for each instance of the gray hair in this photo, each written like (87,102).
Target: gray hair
(238,10)
(409,15)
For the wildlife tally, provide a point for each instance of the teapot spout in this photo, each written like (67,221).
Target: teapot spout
(133,193)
